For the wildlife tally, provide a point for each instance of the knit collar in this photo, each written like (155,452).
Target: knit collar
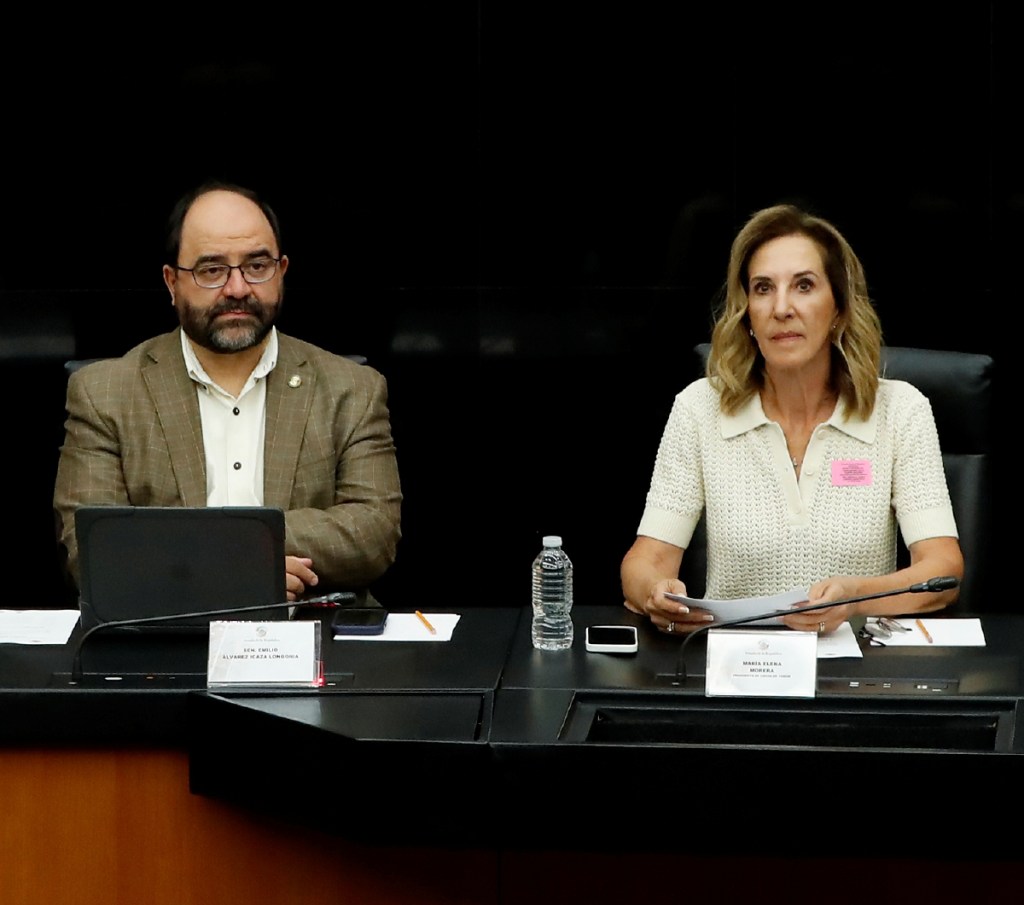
(751,415)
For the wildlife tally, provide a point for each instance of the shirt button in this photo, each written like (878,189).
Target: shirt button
(235,410)
(237,465)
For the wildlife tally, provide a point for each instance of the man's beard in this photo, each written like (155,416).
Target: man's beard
(233,335)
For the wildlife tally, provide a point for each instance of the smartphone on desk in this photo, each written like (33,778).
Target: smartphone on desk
(611,639)
(350,620)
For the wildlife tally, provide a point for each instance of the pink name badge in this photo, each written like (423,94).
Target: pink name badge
(851,473)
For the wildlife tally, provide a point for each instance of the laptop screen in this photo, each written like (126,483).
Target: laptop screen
(137,562)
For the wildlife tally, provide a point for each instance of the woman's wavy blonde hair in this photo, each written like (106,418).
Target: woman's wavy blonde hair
(736,367)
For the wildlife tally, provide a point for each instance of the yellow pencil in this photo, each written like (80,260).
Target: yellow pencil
(925,631)
(433,630)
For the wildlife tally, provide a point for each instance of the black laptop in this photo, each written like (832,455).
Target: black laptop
(137,562)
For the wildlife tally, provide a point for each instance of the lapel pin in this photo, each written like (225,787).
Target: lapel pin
(294,381)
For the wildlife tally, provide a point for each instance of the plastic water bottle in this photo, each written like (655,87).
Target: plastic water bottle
(552,597)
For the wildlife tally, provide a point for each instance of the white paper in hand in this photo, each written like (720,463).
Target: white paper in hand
(745,607)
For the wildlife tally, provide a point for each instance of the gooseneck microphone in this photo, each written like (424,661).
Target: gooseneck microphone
(326,600)
(932,585)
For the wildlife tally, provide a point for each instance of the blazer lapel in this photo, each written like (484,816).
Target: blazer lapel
(290,388)
(177,410)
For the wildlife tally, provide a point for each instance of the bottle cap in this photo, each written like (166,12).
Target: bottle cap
(552,540)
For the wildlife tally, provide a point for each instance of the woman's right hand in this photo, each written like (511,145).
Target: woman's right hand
(669,615)
(644,590)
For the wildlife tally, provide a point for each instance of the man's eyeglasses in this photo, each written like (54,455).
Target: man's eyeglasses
(211,275)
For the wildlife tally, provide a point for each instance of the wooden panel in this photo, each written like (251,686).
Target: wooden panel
(121,828)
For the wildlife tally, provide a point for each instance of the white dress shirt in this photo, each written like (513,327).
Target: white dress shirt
(233,429)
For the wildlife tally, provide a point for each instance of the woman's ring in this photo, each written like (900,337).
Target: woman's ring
(821,627)
(671,627)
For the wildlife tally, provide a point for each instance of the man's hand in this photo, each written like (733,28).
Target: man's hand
(299,575)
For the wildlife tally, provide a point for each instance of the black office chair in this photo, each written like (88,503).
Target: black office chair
(76,364)
(959,387)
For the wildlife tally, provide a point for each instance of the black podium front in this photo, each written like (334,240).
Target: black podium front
(901,739)
(397,740)
(471,740)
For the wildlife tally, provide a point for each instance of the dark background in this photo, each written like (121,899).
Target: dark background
(519,212)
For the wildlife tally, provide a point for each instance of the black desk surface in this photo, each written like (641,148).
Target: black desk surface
(491,650)
(894,679)
(992,670)
(491,721)
(134,687)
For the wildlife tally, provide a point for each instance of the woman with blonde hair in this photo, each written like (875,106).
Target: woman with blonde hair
(803,461)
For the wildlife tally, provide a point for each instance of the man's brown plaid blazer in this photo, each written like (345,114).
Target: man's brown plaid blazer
(134,437)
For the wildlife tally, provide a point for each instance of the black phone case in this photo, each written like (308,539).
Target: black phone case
(359,621)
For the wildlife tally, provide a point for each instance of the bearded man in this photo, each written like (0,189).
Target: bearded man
(227,411)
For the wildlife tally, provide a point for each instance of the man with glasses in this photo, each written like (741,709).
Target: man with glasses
(227,411)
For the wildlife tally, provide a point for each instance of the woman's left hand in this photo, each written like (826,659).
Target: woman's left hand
(826,620)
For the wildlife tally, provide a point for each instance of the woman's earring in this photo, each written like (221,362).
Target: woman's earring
(752,330)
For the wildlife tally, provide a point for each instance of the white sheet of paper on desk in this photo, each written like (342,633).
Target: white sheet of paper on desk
(37,626)
(745,607)
(840,643)
(944,632)
(408,627)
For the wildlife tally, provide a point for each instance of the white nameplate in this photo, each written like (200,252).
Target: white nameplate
(265,653)
(778,663)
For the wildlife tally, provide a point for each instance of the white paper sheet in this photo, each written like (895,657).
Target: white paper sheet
(840,643)
(37,626)
(745,607)
(944,633)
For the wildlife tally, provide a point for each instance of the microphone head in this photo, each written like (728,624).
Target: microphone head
(943,583)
